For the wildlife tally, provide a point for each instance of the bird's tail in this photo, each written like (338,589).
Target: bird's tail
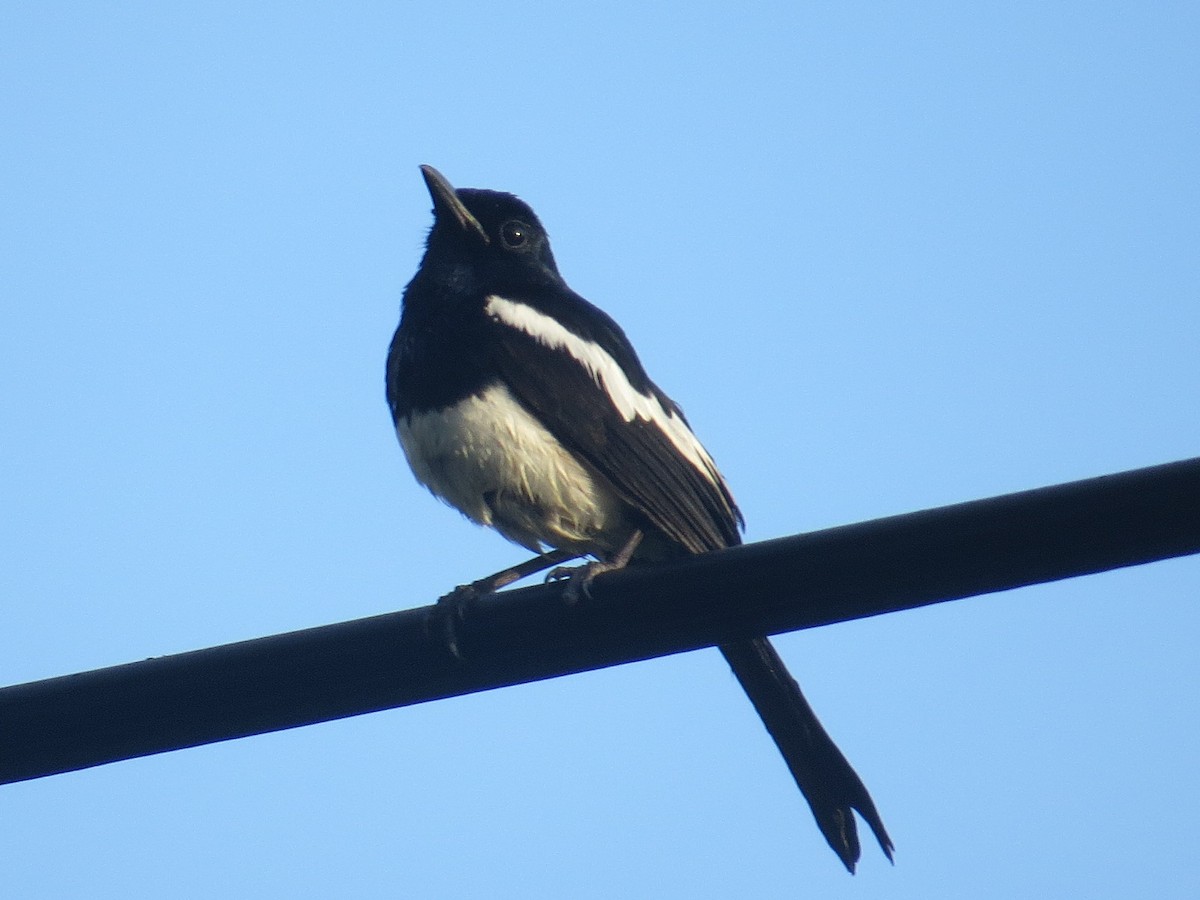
(831,787)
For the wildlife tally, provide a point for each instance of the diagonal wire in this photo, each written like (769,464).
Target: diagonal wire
(803,581)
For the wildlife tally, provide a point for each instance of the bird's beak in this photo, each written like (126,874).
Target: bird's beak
(446,202)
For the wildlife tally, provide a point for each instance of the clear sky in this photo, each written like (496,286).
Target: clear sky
(886,257)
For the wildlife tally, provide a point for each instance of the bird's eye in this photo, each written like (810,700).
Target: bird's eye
(514,234)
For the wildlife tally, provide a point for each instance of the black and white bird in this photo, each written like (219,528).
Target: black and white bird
(525,407)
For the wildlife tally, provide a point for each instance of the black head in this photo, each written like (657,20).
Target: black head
(495,237)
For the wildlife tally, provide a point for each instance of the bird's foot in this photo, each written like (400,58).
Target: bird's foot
(450,612)
(579,579)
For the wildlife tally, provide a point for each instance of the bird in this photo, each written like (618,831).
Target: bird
(525,407)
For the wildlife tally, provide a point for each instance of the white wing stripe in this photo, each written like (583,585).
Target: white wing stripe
(627,400)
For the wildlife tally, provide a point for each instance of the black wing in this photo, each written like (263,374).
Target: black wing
(671,482)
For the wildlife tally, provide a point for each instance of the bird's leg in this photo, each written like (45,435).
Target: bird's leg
(580,577)
(505,577)
(451,608)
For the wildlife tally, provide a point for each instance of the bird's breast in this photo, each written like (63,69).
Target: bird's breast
(491,459)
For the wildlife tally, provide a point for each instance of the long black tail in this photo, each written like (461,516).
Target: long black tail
(827,781)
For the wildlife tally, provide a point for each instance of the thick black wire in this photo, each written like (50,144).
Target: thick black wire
(886,565)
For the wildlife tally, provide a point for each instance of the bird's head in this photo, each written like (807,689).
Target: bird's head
(493,236)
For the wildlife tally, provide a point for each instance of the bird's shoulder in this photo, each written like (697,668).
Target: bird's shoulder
(557,316)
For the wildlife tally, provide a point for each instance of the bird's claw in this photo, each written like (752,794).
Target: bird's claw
(579,579)
(448,613)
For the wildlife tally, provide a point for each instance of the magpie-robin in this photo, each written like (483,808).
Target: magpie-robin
(526,408)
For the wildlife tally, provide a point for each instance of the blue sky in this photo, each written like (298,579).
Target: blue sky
(886,258)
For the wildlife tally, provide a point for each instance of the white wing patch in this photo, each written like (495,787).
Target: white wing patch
(629,402)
